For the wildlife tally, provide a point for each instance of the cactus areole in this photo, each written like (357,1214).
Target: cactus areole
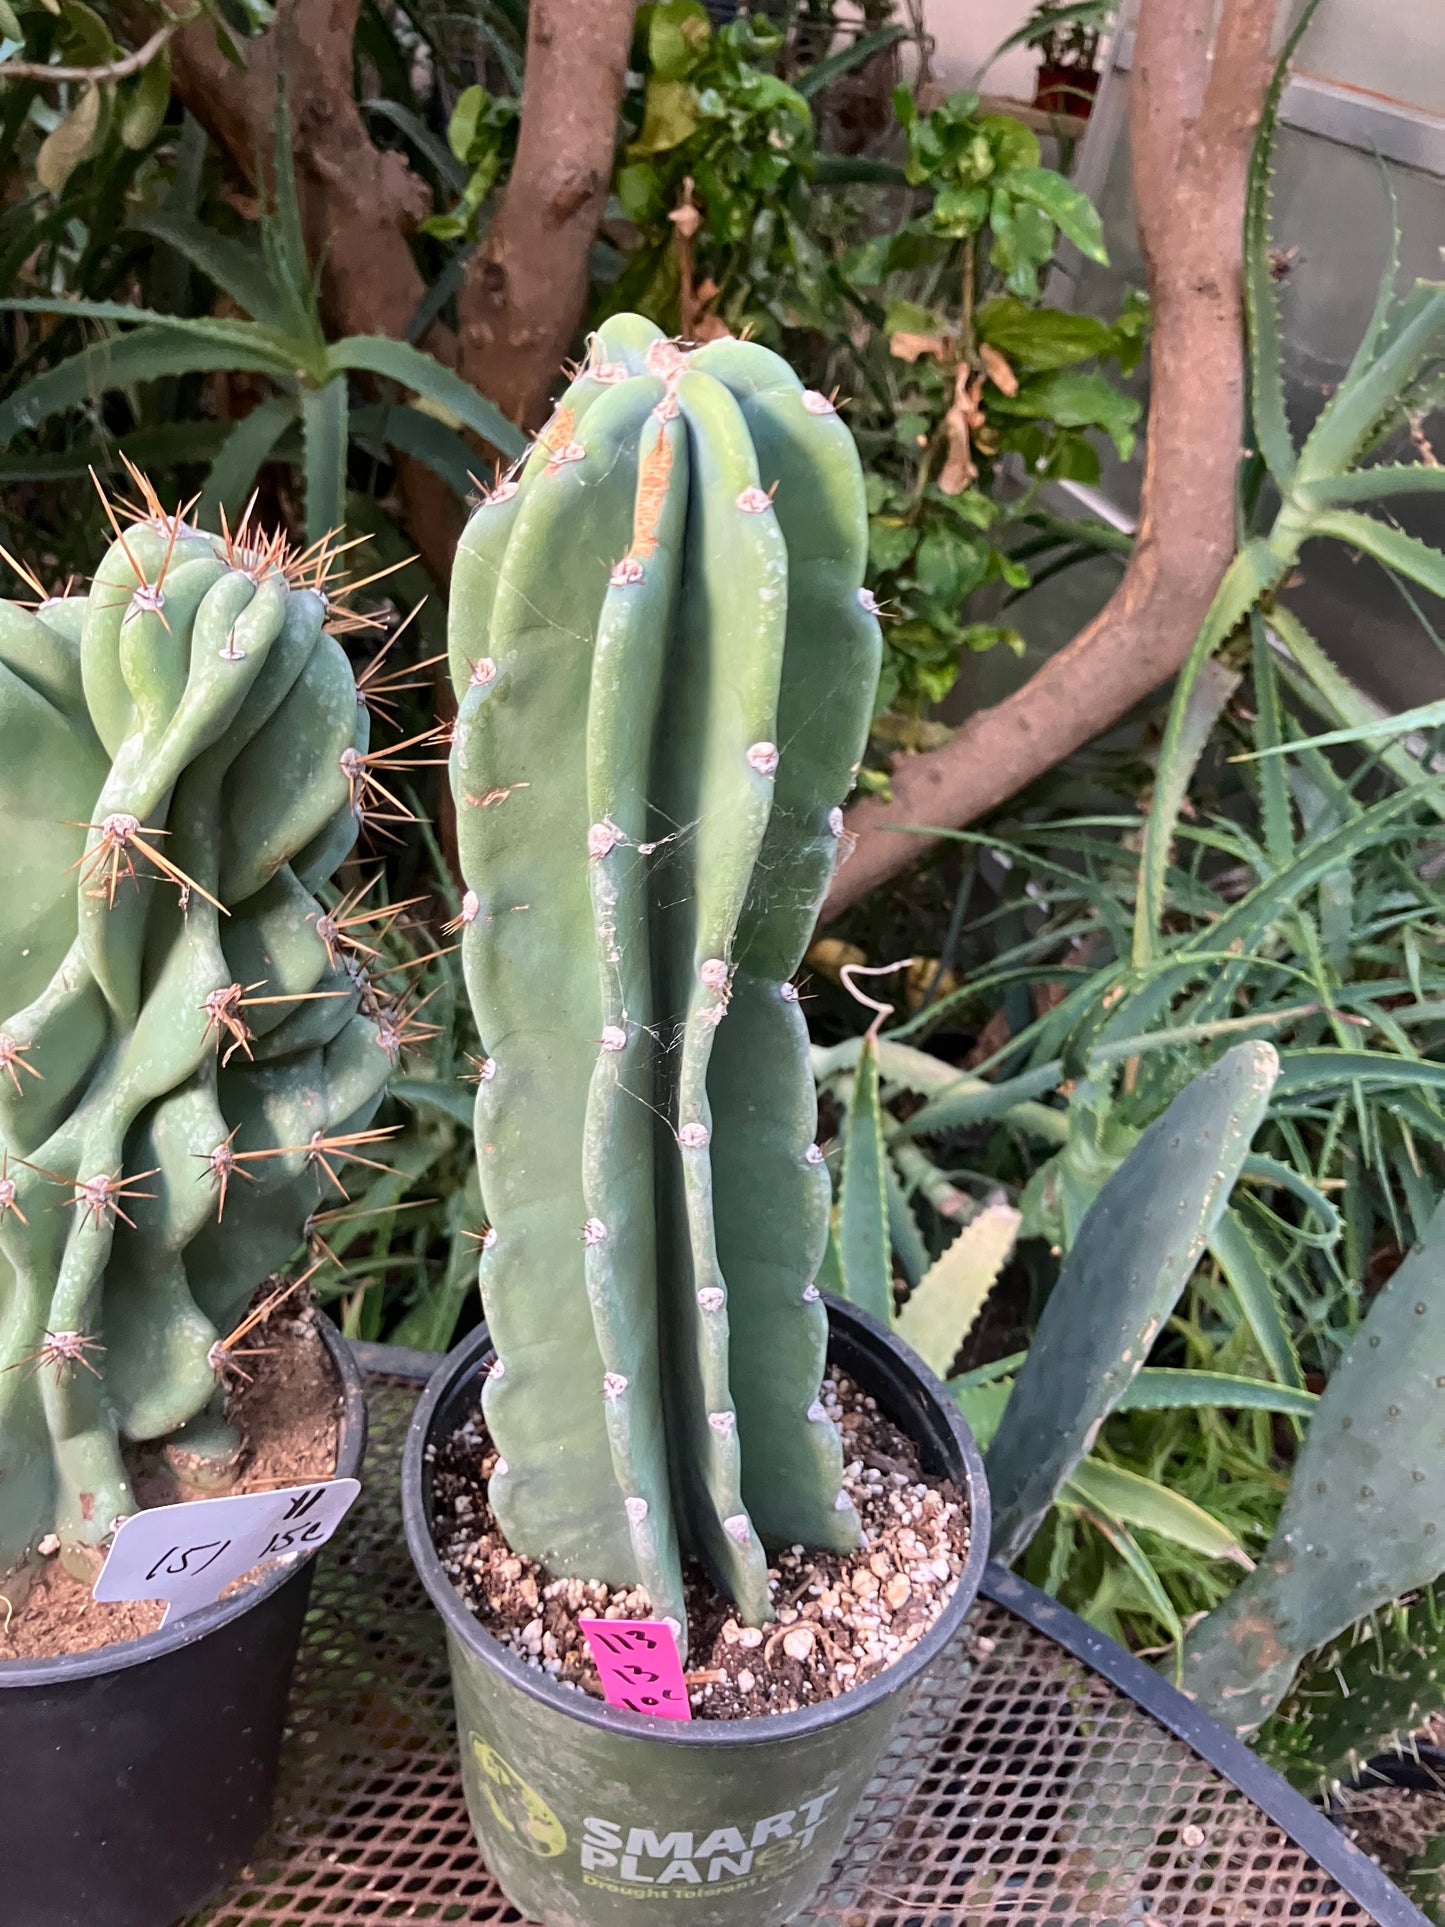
(185,1054)
(665,666)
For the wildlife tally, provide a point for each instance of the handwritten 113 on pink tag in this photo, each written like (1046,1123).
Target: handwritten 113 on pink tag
(640,1666)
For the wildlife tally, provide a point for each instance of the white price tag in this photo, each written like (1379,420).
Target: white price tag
(189,1554)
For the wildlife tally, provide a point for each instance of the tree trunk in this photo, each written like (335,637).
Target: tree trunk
(1192,125)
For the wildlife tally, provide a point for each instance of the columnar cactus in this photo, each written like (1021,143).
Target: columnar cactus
(186,1048)
(665,664)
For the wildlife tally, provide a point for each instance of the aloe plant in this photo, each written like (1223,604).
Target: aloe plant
(665,665)
(190,1046)
(278,333)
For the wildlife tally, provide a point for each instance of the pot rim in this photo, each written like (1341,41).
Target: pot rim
(463,1625)
(64,1668)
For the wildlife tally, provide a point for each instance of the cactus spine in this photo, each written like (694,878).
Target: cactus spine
(665,667)
(183,1047)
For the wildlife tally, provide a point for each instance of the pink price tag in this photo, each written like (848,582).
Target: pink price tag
(640,1666)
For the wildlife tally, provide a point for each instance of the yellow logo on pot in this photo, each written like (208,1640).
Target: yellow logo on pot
(515,1805)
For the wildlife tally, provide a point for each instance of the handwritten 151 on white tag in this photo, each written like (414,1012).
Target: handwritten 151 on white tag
(189,1554)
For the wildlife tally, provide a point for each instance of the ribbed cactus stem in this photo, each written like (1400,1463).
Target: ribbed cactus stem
(665,675)
(173,1024)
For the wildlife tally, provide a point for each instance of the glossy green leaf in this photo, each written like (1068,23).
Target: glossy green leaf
(1037,339)
(1072,212)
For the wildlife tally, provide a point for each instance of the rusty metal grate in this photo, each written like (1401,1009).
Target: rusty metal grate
(1022,1788)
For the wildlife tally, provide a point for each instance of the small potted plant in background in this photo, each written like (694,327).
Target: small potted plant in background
(665,662)
(189,1050)
(1067,35)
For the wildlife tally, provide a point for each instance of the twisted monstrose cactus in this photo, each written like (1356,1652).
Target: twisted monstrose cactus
(187,1047)
(665,664)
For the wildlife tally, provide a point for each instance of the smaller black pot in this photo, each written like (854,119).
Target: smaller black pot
(585,1811)
(135,1780)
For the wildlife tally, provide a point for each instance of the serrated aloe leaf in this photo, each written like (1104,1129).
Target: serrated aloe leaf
(1261,298)
(1159,1388)
(942,1310)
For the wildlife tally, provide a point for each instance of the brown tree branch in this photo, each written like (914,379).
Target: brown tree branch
(359,203)
(526,288)
(525,292)
(120,69)
(1192,126)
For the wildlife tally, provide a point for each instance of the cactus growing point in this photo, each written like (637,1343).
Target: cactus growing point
(665,666)
(186,1054)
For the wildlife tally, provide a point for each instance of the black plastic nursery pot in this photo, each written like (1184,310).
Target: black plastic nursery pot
(585,1811)
(135,1780)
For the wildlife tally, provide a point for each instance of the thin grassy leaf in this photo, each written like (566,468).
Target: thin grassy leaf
(430,1324)
(435,151)
(1204,702)
(163,446)
(1339,695)
(847,60)
(1160,1388)
(942,1311)
(324,443)
(1237,1256)
(863,1244)
(1246,924)
(1427,716)
(1130,1551)
(1148,1506)
(398,361)
(1274,1174)
(248,445)
(1275,810)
